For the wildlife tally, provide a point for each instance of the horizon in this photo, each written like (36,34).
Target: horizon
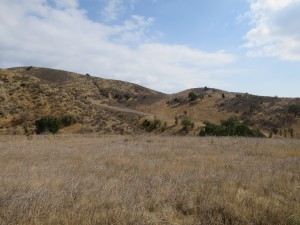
(243,46)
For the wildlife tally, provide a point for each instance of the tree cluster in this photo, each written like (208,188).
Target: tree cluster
(229,127)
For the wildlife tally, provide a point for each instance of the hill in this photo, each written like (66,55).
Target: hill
(112,106)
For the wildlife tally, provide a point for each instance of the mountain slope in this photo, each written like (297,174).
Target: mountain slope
(111,106)
(29,93)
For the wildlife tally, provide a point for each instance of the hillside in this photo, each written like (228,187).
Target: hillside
(111,106)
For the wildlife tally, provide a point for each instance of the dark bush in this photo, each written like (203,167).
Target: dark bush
(127,96)
(47,124)
(294,109)
(68,120)
(192,96)
(29,68)
(151,125)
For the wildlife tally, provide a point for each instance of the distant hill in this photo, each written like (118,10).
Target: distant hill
(110,106)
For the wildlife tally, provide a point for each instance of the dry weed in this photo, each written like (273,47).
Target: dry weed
(149,180)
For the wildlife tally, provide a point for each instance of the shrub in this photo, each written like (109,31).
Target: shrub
(294,109)
(127,96)
(68,120)
(47,124)
(229,127)
(151,125)
(187,125)
(29,68)
(26,131)
(192,96)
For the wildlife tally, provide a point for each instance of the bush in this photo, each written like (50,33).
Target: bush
(151,125)
(192,96)
(68,120)
(187,125)
(47,124)
(294,109)
(229,127)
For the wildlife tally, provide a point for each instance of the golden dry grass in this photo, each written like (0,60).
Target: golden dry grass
(149,180)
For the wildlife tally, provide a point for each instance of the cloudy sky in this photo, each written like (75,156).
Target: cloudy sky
(168,45)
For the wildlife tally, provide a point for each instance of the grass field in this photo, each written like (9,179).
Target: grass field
(149,180)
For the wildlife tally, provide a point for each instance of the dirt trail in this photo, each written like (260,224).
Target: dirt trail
(125,110)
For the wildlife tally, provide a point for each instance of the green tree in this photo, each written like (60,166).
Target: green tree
(229,127)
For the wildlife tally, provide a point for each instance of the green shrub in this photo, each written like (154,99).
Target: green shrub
(47,124)
(151,125)
(229,127)
(187,125)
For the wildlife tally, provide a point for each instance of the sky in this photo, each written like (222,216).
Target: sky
(167,45)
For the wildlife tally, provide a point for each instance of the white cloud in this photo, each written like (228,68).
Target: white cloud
(61,36)
(112,9)
(275,29)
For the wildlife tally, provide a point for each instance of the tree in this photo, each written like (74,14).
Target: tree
(192,96)
(47,124)
(229,127)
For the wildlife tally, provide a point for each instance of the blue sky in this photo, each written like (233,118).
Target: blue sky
(168,45)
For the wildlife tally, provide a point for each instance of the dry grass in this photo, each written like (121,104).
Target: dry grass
(149,180)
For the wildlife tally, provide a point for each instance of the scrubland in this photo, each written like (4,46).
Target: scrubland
(149,180)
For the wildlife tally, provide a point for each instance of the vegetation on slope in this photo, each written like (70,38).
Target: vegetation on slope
(229,127)
(112,106)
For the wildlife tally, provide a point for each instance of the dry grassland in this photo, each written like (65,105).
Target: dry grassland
(149,180)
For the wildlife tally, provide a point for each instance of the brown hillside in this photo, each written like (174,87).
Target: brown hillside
(111,106)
